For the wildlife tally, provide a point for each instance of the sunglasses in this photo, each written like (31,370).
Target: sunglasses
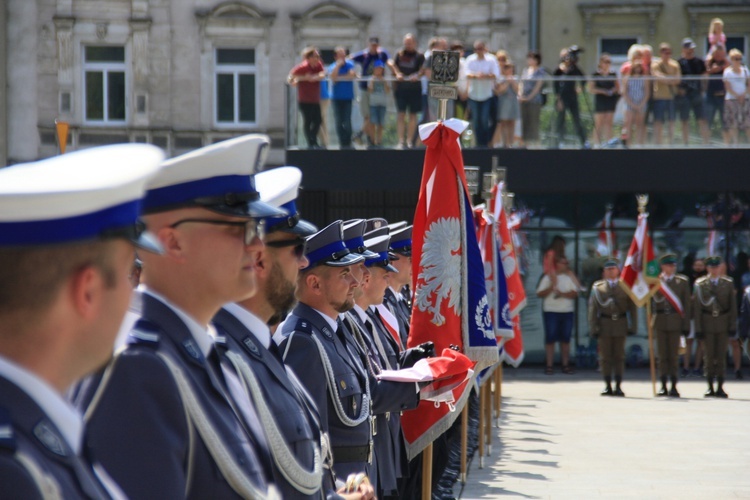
(298,244)
(736,58)
(251,227)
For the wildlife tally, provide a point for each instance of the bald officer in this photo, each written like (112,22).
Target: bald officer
(669,321)
(67,228)
(161,416)
(612,316)
(715,315)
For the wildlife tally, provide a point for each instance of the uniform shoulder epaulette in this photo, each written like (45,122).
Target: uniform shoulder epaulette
(728,278)
(144,333)
(7,435)
(681,277)
(303,325)
(701,280)
(599,283)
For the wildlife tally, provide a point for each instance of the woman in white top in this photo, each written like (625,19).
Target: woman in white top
(558,308)
(736,104)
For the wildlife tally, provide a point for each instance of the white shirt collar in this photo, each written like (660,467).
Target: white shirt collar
(203,336)
(668,276)
(331,322)
(399,297)
(65,417)
(253,323)
(361,313)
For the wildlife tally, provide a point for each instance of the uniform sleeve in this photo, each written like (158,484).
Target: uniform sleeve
(392,396)
(688,307)
(138,430)
(301,355)
(696,311)
(593,317)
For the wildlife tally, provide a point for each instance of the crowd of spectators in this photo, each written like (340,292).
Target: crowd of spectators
(503,101)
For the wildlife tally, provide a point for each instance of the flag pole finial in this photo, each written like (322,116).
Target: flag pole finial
(642,202)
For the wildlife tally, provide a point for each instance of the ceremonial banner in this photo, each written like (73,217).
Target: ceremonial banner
(711,241)
(494,278)
(450,302)
(606,245)
(640,275)
(513,348)
(516,293)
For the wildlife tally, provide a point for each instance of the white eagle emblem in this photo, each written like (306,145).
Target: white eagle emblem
(483,319)
(509,261)
(441,269)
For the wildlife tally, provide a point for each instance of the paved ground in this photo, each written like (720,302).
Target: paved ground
(558,438)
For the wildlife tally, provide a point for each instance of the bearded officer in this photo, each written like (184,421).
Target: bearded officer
(670,323)
(315,340)
(612,316)
(715,315)
(161,416)
(67,229)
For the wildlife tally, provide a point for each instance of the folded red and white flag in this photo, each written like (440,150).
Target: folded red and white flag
(446,372)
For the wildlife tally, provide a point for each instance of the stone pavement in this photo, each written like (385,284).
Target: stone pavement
(558,438)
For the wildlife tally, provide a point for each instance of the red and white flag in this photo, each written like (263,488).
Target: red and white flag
(511,268)
(606,245)
(450,301)
(640,275)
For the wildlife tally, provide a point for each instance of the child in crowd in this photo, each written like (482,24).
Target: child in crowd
(716,34)
(636,93)
(378,88)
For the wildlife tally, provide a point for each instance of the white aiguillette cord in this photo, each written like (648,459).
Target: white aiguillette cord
(306,482)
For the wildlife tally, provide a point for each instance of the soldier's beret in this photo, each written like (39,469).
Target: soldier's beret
(713,260)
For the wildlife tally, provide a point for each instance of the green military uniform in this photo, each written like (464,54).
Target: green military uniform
(669,325)
(612,315)
(715,315)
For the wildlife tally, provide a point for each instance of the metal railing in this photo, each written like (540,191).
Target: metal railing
(596,135)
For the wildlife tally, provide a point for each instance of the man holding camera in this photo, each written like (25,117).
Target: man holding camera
(567,85)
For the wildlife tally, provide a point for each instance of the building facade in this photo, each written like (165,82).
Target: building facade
(613,26)
(185,74)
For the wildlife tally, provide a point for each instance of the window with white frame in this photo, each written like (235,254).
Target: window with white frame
(104,73)
(617,48)
(235,87)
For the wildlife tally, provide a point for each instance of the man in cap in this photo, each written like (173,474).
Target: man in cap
(690,91)
(612,316)
(366,59)
(161,416)
(316,341)
(287,413)
(671,307)
(67,229)
(715,315)
(384,348)
(395,299)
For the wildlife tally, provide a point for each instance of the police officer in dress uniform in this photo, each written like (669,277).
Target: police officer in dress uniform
(316,341)
(669,323)
(715,315)
(612,316)
(384,352)
(67,229)
(397,303)
(161,416)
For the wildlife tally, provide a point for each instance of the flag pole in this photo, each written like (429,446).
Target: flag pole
(444,70)
(464,442)
(498,391)
(488,415)
(642,202)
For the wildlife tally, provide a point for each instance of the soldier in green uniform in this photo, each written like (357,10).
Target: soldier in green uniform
(715,315)
(612,316)
(671,309)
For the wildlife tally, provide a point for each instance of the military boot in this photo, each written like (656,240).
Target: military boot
(710,392)
(608,389)
(720,389)
(673,391)
(663,391)
(618,390)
